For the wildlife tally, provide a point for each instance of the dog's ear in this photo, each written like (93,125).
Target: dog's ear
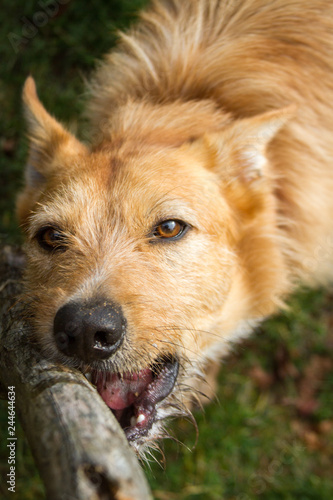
(241,148)
(51,149)
(48,138)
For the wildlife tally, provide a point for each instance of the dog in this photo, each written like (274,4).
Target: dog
(201,201)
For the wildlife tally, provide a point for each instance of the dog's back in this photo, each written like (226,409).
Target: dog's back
(249,56)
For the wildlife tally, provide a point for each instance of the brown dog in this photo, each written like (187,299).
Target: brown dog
(204,197)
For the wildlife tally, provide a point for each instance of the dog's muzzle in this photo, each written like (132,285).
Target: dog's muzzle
(91,331)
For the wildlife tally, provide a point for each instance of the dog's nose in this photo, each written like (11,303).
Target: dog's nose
(89,330)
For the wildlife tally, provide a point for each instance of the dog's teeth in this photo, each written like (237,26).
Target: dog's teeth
(133,421)
(137,420)
(88,376)
(140,418)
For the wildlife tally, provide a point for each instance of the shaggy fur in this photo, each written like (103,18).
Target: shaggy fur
(213,112)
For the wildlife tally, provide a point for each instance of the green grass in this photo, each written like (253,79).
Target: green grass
(265,438)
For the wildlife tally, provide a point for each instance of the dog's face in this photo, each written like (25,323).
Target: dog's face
(138,266)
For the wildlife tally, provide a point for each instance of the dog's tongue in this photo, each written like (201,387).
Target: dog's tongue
(120,391)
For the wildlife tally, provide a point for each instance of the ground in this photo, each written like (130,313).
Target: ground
(269,435)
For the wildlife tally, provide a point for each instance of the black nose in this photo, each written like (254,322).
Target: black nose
(89,330)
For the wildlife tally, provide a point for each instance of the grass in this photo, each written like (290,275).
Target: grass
(269,436)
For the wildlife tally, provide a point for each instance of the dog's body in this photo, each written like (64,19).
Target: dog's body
(205,197)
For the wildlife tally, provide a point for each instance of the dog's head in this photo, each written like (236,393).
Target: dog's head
(150,251)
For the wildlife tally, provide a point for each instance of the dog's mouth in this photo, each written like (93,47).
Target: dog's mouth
(134,397)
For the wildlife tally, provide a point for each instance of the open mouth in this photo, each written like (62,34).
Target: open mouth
(133,397)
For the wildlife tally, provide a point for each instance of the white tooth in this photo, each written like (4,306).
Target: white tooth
(133,421)
(88,376)
(140,418)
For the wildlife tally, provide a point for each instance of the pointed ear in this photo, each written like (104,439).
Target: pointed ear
(48,138)
(242,146)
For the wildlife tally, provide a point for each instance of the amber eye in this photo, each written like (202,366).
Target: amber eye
(170,229)
(51,238)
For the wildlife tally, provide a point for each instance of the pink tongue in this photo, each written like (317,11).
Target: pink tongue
(119,393)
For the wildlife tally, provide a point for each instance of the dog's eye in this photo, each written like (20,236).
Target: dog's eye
(51,238)
(170,229)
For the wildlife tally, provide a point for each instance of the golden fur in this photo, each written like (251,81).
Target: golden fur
(215,112)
